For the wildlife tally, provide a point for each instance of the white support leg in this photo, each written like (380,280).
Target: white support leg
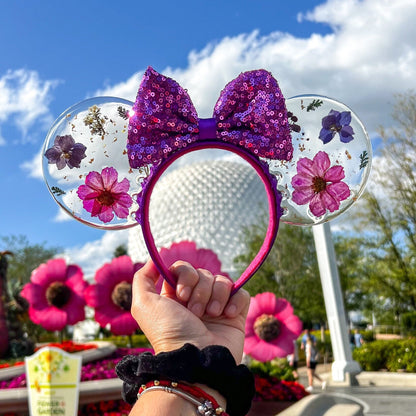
(334,304)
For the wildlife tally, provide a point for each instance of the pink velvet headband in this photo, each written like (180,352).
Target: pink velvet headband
(250,119)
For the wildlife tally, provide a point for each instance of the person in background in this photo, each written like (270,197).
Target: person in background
(305,337)
(311,363)
(358,339)
(293,359)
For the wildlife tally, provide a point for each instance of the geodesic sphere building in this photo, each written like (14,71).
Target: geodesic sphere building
(208,202)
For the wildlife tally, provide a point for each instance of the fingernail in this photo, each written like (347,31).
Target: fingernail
(231,310)
(197,309)
(184,293)
(214,308)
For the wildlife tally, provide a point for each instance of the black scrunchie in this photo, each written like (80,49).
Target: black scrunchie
(213,366)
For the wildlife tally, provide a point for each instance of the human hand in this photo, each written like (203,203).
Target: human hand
(199,311)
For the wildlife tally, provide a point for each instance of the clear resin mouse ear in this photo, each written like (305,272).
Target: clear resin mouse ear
(85,163)
(331,161)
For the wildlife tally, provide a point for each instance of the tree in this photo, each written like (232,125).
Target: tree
(290,270)
(389,212)
(120,250)
(25,257)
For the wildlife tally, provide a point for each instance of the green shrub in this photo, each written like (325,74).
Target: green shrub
(368,335)
(278,368)
(408,322)
(392,355)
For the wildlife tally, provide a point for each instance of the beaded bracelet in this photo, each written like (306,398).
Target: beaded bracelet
(207,407)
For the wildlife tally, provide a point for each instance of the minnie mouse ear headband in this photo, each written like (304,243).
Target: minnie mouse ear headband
(103,157)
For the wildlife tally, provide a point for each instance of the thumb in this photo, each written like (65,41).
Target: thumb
(145,279)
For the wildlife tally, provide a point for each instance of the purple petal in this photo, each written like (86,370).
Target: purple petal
(78,153)
(345,118)
(346,134)
(326,135)
(330,120)
(53,154)
(64,142)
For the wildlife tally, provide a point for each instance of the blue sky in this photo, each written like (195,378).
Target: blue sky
(53,55)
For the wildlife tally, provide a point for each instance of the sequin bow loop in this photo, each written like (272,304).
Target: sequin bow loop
(250,113)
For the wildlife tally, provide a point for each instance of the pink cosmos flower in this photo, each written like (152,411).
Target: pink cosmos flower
(319,184)
(103,196)
(271,327)
(111,295)
(199,258)
(56,295)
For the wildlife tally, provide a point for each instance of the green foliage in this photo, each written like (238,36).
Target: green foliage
(26,257)
(278,368)
(136,340)
(368,335)
(388,219)
(392,355)
(120,251)
(408,322)
(294,277)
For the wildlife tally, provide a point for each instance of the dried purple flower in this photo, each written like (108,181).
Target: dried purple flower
(337,122)
(65,152)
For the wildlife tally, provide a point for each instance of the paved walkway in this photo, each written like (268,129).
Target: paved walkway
(378,393)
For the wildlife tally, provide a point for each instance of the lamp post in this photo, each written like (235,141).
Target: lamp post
(343,363)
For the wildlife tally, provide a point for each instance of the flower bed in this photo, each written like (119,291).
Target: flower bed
(97,370)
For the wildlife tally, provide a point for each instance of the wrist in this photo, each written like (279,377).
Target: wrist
(162,403)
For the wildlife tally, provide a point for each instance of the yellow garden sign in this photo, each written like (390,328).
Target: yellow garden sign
(53,382)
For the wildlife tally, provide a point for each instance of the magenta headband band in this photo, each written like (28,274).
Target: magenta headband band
(273,195)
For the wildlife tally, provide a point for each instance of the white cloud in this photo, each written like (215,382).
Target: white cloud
(94,254)
(34,167)
(25,99)
(370,56)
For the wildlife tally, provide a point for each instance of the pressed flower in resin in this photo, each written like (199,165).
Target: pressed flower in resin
(319,184)
(103,196)
(65,152)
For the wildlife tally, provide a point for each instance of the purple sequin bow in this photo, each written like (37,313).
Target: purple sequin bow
(250,113)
